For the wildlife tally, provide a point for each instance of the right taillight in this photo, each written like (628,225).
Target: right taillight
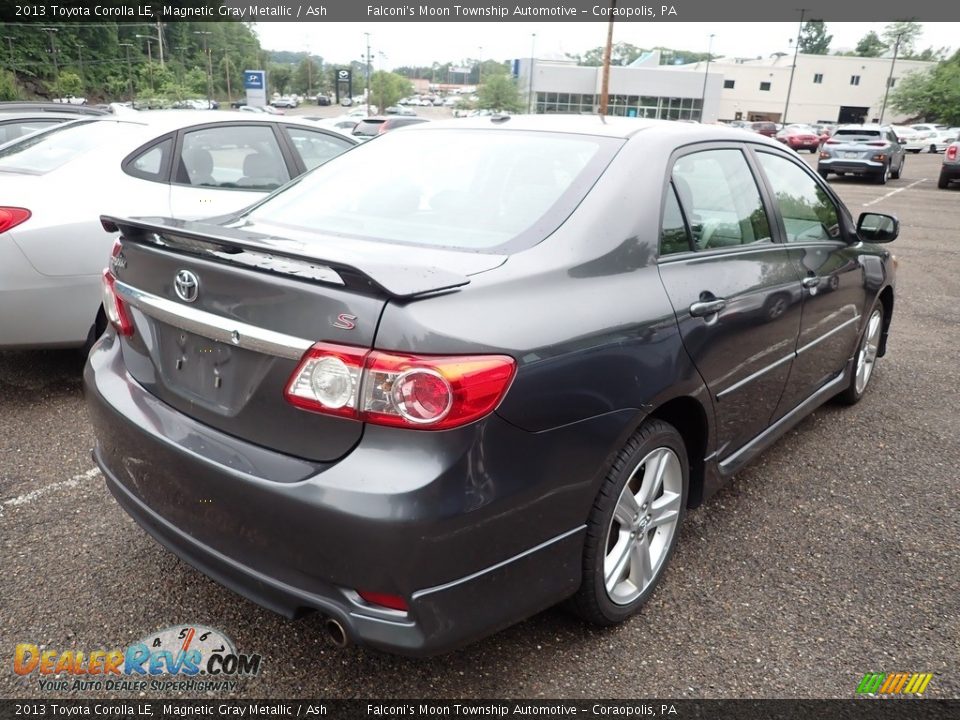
(113,306)
(428,392)
(10,217)
(952,152)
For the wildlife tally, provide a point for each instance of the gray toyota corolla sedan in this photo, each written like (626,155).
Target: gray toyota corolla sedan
(475,368)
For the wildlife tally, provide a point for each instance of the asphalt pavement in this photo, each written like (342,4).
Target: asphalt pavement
(834,555)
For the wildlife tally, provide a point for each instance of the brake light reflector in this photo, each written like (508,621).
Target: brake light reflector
(10,217)
(394,602)
(114,307)
(952,152)
(401,390)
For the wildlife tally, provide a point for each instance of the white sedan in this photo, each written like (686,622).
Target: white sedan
(934,138)
(54,185)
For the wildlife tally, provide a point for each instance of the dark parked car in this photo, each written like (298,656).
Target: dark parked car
(430,401)
(323,100)
(767,129)
(950,170)
(373,126)
(873,151)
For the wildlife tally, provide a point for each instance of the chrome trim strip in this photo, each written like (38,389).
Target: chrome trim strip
(827,334)
(453,583)
(214,327)
(753,376)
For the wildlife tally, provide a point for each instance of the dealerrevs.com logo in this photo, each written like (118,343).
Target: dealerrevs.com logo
(894,684)
(179,658)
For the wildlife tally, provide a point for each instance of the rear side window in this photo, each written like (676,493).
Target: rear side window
(465,189)
(720,199)
(232,156)
(150,164)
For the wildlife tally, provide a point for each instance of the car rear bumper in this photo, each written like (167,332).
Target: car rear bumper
(469,552)
(854,167)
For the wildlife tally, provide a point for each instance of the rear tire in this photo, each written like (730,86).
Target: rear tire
(96,330)
(944,181)
(895,174)
(633,525)
(882,177)
(865,360)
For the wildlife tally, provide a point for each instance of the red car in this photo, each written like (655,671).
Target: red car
(800,137)
(764,127)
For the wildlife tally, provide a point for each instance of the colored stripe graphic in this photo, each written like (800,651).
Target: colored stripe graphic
(894,683)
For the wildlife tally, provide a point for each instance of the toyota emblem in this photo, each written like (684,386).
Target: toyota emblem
(186,285)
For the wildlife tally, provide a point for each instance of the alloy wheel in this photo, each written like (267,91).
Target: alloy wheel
(867,357)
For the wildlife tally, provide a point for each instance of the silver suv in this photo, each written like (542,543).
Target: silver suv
(870,150)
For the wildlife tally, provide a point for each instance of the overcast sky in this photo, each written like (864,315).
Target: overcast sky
(411,43)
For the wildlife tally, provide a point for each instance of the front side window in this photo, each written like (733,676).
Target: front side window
(315,147)
(674,237)
(720,199)
(808,212)
(232,156)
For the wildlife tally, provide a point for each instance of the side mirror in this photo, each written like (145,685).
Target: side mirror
(877,227)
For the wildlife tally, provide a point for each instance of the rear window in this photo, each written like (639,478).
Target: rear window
(368,127)
(856,134)
(55,147)
(479,190)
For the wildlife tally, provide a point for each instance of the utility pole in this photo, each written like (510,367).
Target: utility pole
(368,73)
(129,72)
(607,51)
(706,74)
(480,67)
(83,75)
(205,34)
(53,53)
(149,39)
(796,51)
(160,40)
(886,93)
(226,62)
(533,52)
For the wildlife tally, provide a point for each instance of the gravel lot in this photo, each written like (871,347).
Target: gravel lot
(833,555)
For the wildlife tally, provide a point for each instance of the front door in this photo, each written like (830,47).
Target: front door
(735,292)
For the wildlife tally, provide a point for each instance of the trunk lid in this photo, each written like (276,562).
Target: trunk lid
(251,303)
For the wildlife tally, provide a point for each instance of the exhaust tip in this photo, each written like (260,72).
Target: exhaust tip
(336,633)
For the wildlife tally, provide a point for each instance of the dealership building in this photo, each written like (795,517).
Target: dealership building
(825,88)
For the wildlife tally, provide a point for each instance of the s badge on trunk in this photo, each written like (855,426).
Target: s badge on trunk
(186,285)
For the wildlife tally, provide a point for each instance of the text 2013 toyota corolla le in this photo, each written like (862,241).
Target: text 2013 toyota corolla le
(474,368)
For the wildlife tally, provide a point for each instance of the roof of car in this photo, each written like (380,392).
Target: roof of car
(618,127)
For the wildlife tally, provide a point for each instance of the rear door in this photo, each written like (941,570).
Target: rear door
(735,292)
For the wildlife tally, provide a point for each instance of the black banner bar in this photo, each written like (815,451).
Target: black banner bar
(636,11)
(648,709)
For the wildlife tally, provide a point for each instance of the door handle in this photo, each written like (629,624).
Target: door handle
(707,307)
(810,281)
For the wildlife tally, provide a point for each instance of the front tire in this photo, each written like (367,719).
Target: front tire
(633,525)
(865,359)
(824,174)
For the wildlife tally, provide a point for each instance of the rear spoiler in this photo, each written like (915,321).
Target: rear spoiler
(338,266)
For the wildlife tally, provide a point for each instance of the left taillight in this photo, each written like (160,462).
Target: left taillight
(113,305)
(10,217)
(952,152)
(427,392)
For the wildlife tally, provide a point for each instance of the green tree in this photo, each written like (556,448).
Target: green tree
(814,39)
(386,88)
(70,84)
(307,77)
(279,77)
(870,45)
(499,92)
(8,86)
(933,95)
(908,32)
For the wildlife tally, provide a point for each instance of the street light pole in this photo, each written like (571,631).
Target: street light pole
(605,70)
(793,69)
(53,53)
(886,93)
(129,72)
(83,75)
(706,74)
(533,52)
